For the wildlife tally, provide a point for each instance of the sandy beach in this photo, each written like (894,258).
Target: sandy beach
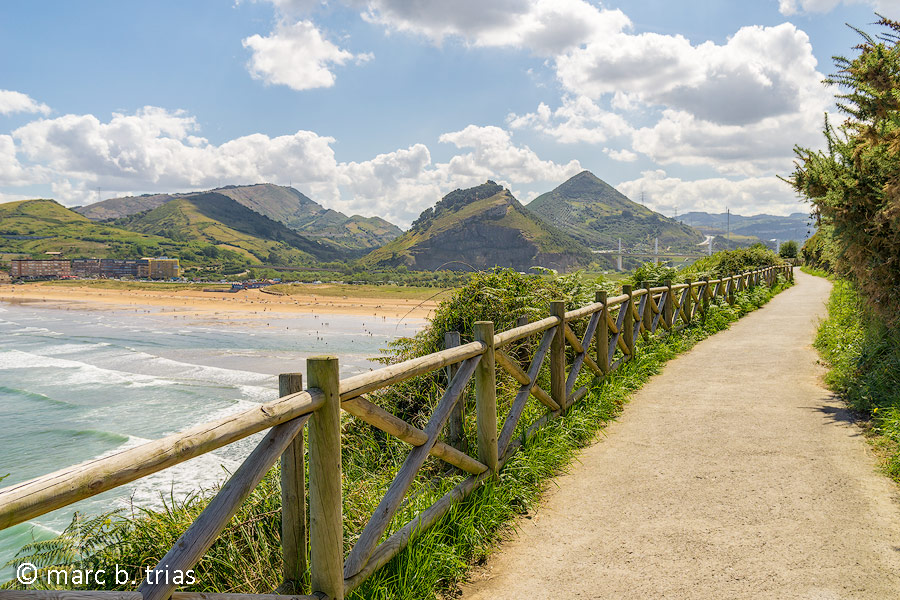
(197,303)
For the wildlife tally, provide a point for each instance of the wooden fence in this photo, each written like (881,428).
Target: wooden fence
(613,326)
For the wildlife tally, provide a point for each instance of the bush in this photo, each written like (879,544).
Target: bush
(732,262)
(820,251)
(855,184)
(655,275)
(788,249)
(864,358)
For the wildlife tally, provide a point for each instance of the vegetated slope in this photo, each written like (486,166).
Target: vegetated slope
(479,228)
(66,231)
(795,226)
(297,211)
(598,215)
(219,220)
(279,203)
(116,208)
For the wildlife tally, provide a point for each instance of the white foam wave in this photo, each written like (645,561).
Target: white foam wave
(70,348)
(75,372)
(201,473)
(30,329)
(190,371)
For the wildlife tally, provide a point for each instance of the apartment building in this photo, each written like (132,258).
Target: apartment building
(29,268)
(148,268)
(159,268)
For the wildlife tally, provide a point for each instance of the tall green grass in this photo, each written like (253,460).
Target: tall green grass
(246,557)
(863,355)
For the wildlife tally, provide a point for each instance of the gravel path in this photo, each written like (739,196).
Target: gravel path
(732,474)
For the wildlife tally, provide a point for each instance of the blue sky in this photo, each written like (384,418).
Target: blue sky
(382,106)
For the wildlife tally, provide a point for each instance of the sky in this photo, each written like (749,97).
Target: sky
(380,107)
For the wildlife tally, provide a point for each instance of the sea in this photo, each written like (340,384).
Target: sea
(77,384)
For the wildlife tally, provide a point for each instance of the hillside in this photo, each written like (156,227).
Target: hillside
(279,203)
(216,219)
(598,215)
(480,228)
(765,227)
(38,226)
(116,208)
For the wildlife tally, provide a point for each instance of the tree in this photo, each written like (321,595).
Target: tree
(854,184)
(788,249)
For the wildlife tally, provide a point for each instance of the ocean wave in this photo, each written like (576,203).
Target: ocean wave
(191,371)
(257,393)
(76,373)
(238,407)
(71,348)
(29,330)
(91,434)
(35,396)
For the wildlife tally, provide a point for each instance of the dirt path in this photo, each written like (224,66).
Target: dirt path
(733,474)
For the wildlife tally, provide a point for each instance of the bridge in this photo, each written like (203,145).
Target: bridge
(733,474)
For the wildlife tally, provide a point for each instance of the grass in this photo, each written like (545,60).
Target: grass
(362,291)
(113,284)
(246,557)
(863,355)
(816,272)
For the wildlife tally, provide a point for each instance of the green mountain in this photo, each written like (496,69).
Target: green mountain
(38,226)
(219,220)
(480,228)
(597,215)
(279,203)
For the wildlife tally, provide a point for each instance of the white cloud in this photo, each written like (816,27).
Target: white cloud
(297,56)
(16,102)
(763,147)
(295,7)
(11,171)
(155,148)
(545,26)
(793,7)
(738,107)
(760,72)
(578,120)
(495,155)
(748,196)
(159,150)
(622,155)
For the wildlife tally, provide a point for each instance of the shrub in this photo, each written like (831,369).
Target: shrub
(730,262)
(855,183)
(655,275)
(788,249)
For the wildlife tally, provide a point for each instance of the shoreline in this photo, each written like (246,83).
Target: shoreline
(196,303)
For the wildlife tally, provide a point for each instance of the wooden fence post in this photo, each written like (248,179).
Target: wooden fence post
(558,355)
(669,307)
(628,321)
(729,290)
(326,527)
(688,301)
(601,334)
(456,437)
(704,300)
(293,499)
(486,397)
(648,312)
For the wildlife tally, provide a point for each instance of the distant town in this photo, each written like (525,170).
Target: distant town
(63,268)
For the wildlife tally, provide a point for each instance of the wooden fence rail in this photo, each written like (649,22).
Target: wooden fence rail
(608,339)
